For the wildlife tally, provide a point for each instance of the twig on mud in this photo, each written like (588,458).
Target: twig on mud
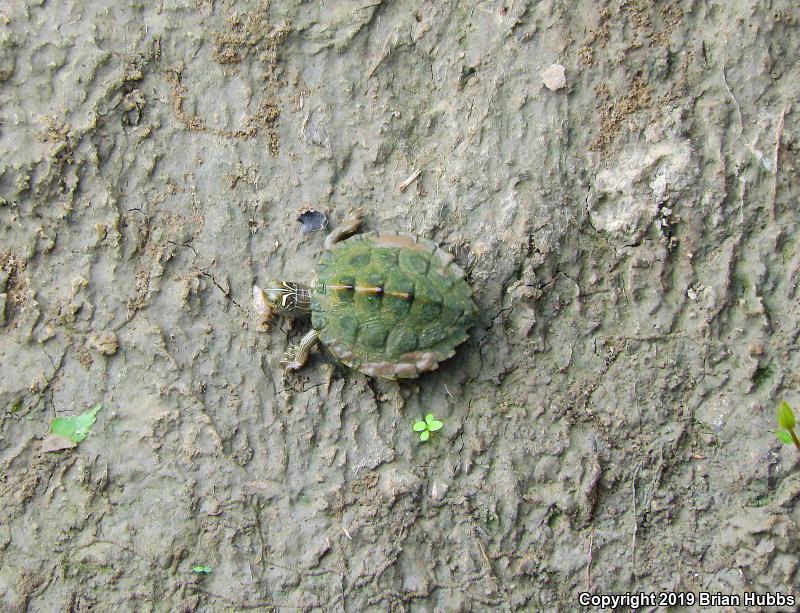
(635,521)
(743,183)
(489,572)
(307,573)
(346,533)
(358,468)
(589,563)
(237,603)
(735,101)
(778,134)
(448,392)
(225,292)
(404,185)
(483,551)
(382,55)
(186,245)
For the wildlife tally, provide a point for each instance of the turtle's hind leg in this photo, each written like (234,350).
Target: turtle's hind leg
(296,356)
(347,228)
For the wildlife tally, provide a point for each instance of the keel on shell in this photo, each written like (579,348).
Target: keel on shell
(391,305)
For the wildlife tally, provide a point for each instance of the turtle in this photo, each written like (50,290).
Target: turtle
(389,304)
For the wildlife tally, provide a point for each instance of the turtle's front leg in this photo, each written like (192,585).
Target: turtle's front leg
(296,356)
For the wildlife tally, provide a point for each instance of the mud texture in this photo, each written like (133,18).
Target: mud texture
(632,238)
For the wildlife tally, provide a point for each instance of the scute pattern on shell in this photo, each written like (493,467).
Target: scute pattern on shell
(391,304)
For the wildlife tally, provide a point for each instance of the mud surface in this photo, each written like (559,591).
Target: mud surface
(632,239)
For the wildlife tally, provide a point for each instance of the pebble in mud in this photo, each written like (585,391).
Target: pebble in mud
(104,343)
(312,221)
(553,77)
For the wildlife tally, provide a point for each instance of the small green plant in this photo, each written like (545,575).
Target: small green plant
(786,424)
(201,569)
(67,432)
(75,428)
(762,375)
(426,426)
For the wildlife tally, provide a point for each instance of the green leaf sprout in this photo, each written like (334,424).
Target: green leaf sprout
(75,428)
(426,426)
(786,425)
(201,569)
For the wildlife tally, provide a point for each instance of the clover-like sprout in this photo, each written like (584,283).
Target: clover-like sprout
(426,426)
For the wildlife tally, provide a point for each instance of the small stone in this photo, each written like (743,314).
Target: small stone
(312,221)
(104,343)
(46,334)
(78,283)
(56,442)
(553,77)
(5,536)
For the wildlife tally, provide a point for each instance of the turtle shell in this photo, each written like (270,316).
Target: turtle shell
(391,305)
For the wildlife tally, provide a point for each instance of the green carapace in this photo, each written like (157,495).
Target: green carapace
(389,304)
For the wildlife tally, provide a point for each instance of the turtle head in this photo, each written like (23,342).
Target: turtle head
(287,298)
